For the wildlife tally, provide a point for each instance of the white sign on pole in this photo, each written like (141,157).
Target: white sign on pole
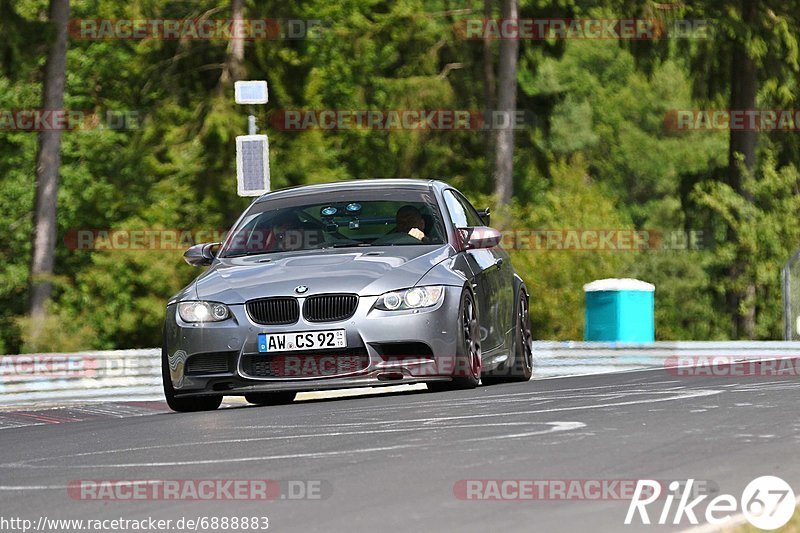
(251,92)
(252,165)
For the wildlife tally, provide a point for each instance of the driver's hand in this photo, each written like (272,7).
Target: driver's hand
(416,233)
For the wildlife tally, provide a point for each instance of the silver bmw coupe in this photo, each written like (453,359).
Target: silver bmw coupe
(350,284)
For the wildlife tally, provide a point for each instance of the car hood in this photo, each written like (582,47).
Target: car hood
(368,272)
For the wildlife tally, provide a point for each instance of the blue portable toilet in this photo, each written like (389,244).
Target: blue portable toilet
(620,310)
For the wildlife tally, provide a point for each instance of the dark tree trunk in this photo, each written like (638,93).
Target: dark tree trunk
(744,85)
(489,88)
(233,69)
(506,105)
(47,169)
(489,85)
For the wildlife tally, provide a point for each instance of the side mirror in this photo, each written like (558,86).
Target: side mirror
(484,214)
(201,254)
(480,237)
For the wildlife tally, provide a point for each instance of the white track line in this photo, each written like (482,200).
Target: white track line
(678,395)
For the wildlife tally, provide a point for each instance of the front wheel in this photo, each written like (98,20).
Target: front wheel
(467,371)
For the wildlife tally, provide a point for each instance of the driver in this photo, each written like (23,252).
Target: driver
(285,233)
(410,221)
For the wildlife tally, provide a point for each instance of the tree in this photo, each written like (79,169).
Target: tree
(48,164)
(506,106)
(761,51)
(233,69)
(749,61)
(595,155)
(489,84)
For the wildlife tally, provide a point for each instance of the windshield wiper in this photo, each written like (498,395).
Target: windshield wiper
(335,245)
(347,245)
(243,254)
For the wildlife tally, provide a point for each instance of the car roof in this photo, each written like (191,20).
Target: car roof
(397,183)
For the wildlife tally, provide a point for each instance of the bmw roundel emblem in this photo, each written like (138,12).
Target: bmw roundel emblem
(300,289)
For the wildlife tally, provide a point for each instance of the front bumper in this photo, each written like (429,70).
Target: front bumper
(383,348)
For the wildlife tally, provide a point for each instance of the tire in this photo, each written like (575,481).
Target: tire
(467,371)
(522,367)
(270,398)
(184,405)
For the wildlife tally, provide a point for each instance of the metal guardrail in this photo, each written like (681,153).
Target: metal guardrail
(136,374)
(570,358)
(86,376)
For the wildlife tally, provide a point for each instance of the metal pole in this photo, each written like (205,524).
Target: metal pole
(787,311)
(252,129)
(786,281)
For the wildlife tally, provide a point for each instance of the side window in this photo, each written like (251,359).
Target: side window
(456,210)
(472,215)
(462,213)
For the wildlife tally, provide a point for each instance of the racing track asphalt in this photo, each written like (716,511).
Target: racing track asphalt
(389,462)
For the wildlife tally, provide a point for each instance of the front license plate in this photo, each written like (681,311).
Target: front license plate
(299,341)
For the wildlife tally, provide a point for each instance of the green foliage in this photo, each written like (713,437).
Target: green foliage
(555,278)
(595,153)
(614,115)
(685,303)
(764,233)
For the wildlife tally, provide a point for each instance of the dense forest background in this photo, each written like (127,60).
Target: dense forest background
(596,150)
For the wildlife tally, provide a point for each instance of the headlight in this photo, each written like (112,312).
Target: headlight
(203,312)
(413,298)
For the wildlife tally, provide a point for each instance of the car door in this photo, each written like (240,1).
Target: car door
(502,274)
(490,267)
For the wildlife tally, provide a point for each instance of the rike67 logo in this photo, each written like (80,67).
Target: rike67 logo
(767,503)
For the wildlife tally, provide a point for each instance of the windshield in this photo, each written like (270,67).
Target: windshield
(341,220)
